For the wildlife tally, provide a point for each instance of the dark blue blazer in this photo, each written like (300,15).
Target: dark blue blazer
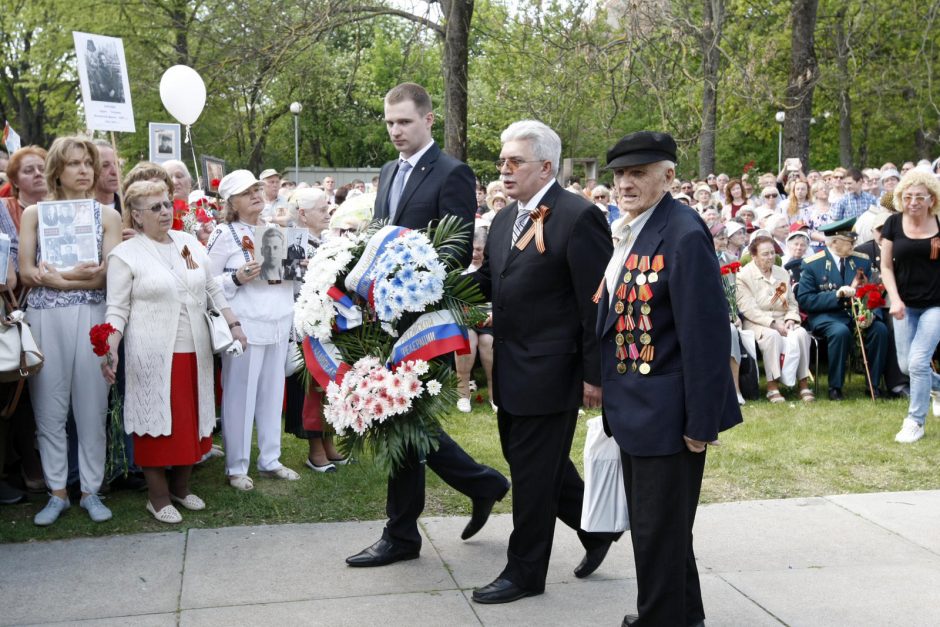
(543,316)
(689,390)
(819,280)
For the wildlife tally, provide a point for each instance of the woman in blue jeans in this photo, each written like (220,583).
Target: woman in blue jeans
(910,269)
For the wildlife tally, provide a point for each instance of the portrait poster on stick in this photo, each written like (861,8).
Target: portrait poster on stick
(213,169)
(68,233)
(102,73)
(164,142)
(271,252)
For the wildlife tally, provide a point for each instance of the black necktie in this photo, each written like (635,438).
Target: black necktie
(842,267)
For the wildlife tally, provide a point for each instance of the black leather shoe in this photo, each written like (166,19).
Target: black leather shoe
(481,513)
(502,591)
(835,394)
(381,553)
(592,559)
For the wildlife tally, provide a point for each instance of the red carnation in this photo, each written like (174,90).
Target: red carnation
(479,398)
(99,335)
(214,183)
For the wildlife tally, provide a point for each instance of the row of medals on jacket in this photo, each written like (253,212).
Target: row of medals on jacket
(643,272)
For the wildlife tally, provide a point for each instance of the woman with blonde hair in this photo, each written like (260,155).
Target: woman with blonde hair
(798,201)
(158,283)
(910,271)
(63,307)
(253,383)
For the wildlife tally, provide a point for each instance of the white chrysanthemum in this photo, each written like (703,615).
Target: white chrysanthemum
(434,387)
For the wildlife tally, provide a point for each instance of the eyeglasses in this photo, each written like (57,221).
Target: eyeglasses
(913,197)
(599,196)
(771,195)
(513,163)
(160,206)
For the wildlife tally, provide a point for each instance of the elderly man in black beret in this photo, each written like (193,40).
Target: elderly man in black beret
(667,387)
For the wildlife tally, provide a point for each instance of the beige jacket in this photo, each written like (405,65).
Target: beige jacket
(756,297)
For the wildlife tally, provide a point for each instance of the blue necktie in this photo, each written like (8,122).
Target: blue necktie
(398,186)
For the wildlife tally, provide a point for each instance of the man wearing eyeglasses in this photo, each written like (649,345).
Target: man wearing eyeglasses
(544,259)
(422,186)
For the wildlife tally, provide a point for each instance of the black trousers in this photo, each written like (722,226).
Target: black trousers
(405,500)
(662,497)
(546,486)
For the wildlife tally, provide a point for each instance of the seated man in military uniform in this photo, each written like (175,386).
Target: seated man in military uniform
(827,284)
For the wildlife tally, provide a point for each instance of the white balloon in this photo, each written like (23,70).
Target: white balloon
(183,93)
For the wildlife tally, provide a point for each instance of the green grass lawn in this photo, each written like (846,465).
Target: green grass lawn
(781,451)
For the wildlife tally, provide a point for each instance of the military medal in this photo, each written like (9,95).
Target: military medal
(645,309)
(645,338)
(643,268)
(630,265)
(647,356)
(634,355)
(644,368)
(629,338)
(619,339)
(621,368)
(618,307)
(658,265)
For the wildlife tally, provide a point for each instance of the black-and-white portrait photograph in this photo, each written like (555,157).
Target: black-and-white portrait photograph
(213,169)
(294,266)
(271,250)
(103,65)
(164,142)
(68,233)
(102,73)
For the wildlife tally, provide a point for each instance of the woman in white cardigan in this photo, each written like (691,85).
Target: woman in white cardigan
(157,285)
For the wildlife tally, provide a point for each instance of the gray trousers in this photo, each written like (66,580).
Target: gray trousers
(71,374)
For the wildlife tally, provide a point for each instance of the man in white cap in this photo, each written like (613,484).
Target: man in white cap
(271,194)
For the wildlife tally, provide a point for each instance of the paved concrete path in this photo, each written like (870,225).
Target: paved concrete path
(840,560)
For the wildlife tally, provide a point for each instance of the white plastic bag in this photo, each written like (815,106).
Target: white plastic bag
(605,502)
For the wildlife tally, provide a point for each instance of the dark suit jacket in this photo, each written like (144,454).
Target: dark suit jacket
(543,315)
(438,186)
(689,390)
(819,281)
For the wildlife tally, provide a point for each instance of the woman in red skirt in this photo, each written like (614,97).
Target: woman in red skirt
(157,286)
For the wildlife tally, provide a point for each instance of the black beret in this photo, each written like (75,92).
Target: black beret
(640,148)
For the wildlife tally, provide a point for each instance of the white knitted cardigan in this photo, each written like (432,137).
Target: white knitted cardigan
(151,316)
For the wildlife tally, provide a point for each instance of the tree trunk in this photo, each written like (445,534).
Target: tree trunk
(178,17)
(457,16)
(714,15)
(804,72)
(845,99)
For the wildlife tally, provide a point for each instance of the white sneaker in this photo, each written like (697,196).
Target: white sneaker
(463,404)
(741,400)
(910,432)
(935,402)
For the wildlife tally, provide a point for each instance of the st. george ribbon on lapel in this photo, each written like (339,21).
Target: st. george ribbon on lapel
(536,230)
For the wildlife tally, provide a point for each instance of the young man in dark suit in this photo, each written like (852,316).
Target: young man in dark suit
(664,337)
(540,273)
(420,187)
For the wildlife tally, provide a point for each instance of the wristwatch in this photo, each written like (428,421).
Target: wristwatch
(235,278)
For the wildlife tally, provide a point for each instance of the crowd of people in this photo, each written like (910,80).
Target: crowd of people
(804,241)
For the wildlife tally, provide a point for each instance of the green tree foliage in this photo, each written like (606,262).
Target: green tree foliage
(592,70)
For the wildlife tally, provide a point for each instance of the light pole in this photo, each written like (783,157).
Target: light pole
(781,116)
(296,108)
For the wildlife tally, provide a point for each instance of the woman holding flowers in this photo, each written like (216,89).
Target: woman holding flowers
(910,270)
(63,307)
(252,384)
(769,309)
(158,282)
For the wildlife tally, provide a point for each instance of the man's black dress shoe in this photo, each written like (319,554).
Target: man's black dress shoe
(629,619)
(381,553)
(835,394)
(592,559)
(481,513)
(502,591)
